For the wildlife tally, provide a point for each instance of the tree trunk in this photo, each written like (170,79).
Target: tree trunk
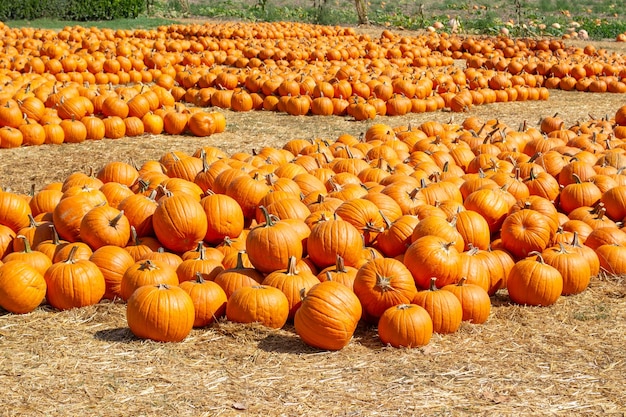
(361,11)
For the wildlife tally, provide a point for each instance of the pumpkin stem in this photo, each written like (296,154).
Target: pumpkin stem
(26,243)
(55,235)
(538,255)
(147,265)
(116,219)
(383,283)
(269,220)
(432,286)
(291,266)
(199,278)
(340,265)
(461,282)
(70,256)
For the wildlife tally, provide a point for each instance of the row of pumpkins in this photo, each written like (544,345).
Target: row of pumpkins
(88,84)
(329,233)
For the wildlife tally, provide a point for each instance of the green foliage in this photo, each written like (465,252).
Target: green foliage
(73,10)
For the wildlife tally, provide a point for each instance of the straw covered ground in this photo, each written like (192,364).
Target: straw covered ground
(568,359)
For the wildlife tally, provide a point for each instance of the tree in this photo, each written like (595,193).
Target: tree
(361,11)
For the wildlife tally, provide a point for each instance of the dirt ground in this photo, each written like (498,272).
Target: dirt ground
(568,359)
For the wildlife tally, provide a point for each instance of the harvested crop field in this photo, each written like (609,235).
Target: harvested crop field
(566,359)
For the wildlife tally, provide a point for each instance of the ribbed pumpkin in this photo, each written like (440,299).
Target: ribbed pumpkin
(443,307)
(293,283)
(224,217)
(328,316)
(208,268)
(147,272)
(160,312)
(533,282)
(431,256)
(271,244)
(104,225)
(405,325)
(179,222)
(239,276)
(209,300)
(331,238)
(22,287)
(258,304)
(525,231)
(113,262)
(382,283)
(74,283)
(475,301)
(573,266)
(14,211)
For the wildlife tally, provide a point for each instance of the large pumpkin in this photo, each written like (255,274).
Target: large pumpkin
(382,283)
(179,222)
(74,283)
(272,243)
(258,304)
(160,312)
(22,287)
(534,282)
(328,316)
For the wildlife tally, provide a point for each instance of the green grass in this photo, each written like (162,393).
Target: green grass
(600,18)
(143,22)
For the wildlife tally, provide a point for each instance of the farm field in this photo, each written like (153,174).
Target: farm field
(562,359)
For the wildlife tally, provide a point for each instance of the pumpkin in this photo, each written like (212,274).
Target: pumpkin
(261,304)
(68,214)
(271,244)
(382,283)
(139,209)
(209,300)
(224,217)
(74,283)
(572,265)
(160,312)
(22,287)
(475,301)
(339,273)
(328,316)
(612,259)
(431,256)
(405,325)
(36,259)
(443,307)
(14,211)
(104,225)
(113,261)
(534,282)
(208,268)
(238,276)
(179,222)
(525,231)
(331,238)
(293,283)
(147,272)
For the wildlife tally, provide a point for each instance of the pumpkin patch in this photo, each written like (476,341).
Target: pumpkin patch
(406,228)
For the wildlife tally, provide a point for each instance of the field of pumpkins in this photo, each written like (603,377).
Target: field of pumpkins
(414,225)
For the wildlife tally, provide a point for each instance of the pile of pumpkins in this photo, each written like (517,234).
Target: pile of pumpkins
(408,228)
(82,84)
(88,84)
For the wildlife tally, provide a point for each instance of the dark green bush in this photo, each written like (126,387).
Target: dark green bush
(75,10)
